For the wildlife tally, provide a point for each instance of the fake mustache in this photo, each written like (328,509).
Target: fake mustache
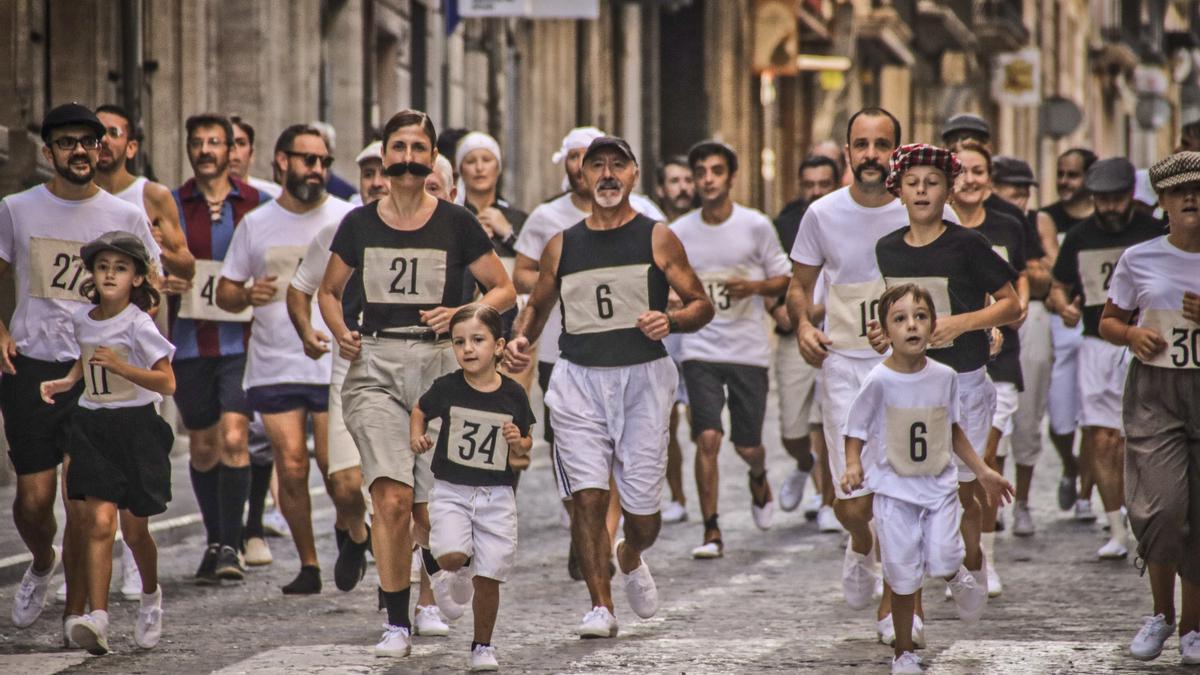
(415,168)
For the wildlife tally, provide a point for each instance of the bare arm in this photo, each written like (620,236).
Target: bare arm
(1115,327)
(299,306)
(500,295)
(51,387)
(159,378)
(532,319)
(813,343)
(671,258)
(772,287)
(998,489)
(417,426)
(852,479)
(1005,310)
(1038,272)
(8,348)
(1048,232)
(164,221)
(234,296)
(525,273)
(329,300)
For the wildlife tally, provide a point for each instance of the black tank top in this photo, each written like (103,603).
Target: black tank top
(1063,221)
(606,279)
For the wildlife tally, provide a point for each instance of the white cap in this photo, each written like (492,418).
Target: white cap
(577,138)
(373,150)
(476,140)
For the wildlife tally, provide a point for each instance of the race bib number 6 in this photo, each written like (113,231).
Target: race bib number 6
(1095,271)
(100,385)
(200,301)
(918,440)
(1181,335)
(404,276)
(604,299)
(476,439)
(849,309)
(56,270)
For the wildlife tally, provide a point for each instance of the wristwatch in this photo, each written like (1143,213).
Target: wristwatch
(672,324)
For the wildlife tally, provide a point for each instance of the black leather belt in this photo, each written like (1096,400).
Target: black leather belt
(418,335)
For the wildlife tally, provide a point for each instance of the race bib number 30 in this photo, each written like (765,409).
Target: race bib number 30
(726,306)
(200,301)
(1181,335)
(100,385)
(1095,270)
(404,276)
(604,299)
(282,262)
(848,310)
(476,439)
(55,269)
(918,440)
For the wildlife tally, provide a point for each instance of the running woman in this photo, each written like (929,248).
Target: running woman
(473,506)
(1155,284)
(413,250)
(1082,275)
(119,446)
(909,409)
(611,393)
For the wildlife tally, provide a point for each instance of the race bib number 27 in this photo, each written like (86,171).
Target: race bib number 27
(55,269)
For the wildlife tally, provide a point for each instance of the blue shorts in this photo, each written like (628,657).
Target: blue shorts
(280,398)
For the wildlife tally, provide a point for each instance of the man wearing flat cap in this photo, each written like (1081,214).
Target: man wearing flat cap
(1082,274)
(613,387)
(965,127)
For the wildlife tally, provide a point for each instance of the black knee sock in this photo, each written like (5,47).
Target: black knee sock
(479,644)
(260,485)
(431,564)
(396,603)
(340,536)
(233,489)
(204,484)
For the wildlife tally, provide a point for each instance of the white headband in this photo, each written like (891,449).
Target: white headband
(476,140)
(579,137)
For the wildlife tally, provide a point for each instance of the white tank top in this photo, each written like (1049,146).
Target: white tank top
(134,193)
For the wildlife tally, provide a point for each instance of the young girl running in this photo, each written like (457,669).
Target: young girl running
(485,421)
(909,408)
(118,444)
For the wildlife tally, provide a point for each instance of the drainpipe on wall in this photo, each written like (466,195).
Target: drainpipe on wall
(131,67)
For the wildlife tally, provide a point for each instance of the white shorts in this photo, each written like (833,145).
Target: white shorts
(674,345)
(613,422)
(480,522)
(814,412)
(915,541)
(1064,376)
(794,384)
(1037,353)
(976,408)
(1002,420)
(841,379)
(1102,369)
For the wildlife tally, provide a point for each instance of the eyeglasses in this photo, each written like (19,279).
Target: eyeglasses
(115,132)
(310,159)
(69,142)
(212,142)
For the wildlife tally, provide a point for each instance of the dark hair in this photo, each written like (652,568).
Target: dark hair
(875,112)
(816,161)
(447,142)
(660,171)
(893,295)
(244,126)
(144,297)
(972,145)
(705,149)
(288,137)
(486,314)
(410,118)
(1086,156)
(135,134)
(209,120)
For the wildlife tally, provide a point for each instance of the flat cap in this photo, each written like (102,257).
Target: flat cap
(1115,174)
(373,150)
(1180,168)
(1008,170)
(120,241)
(610,143)
(967,122)
(69,114)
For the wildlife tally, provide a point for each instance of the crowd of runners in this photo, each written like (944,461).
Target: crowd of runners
(918,320)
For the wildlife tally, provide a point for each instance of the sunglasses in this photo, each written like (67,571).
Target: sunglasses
(69,142)
(311,159)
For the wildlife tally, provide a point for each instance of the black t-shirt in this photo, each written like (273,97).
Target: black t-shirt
(504,249)
(959,267)
(470,448)
(1088,257)
(1008,240)
(404,272)
(787,223)
(1063,221)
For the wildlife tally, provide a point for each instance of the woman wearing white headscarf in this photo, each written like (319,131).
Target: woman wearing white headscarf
(479,163)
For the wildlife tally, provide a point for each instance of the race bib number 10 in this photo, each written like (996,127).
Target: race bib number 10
(849,308)
(476,439)
(918,440)
(56,270)
(200,301)
(604,299)
(100,385)
(1181,335)
(404,276)
(1095,271)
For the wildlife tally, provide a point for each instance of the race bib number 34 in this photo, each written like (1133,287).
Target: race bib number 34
(404,276)
(476,439)
(849,308)
(918,440)
(200,301)
(100,385)
(1095,270)
(604,299)
(1181,335)
(55,269)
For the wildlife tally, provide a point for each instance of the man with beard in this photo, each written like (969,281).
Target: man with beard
(674,187)
(282,382)
(41,233)
(241,158)
(210,354)
(612,272)
(1082,273)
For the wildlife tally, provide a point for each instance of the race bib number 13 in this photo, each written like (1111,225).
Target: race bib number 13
(56,270)
(725,305)
(100,385)
(918,440)
(200,301)
(476,439)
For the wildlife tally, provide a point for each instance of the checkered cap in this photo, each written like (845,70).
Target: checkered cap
(1178,169)
(921,154)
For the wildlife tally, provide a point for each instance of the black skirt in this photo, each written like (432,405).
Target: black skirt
(121,455)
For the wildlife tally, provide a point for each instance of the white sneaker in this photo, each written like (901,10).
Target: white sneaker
(1114,549)
(791,493)
(712,549)
(442,582)
(483,659)
(1189,649)
(969,595)
(858,578)
(428,622)
(674,512)
(1148,643)
(812,505)
(418,563)
(30,599)
(640,590)
(886,630)
(396,642)
(994,586)
(257,552)
(131,577)
(1023,520)
(598,623)
(68,643)
(877,592)
(907,663)
(90,632)
(275,525)
(827,520)
(1083,511)
(148,629)
(918,630)
(60,596)
(763,515)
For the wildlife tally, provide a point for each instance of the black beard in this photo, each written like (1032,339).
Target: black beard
(1112,222)
(65,171)
(858,171)
(305,192)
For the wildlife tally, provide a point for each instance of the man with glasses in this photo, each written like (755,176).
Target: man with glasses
(41,233)
(241,158)
(282,382)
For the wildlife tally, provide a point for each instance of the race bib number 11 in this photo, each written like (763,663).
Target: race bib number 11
(476,439)
(56,270)
(100,385)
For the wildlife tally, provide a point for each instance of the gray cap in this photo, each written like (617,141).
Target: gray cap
(1115,174)
(1008,170)
(611,143)
(122,242)
(967,122)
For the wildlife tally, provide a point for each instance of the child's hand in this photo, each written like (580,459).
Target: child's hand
(51,387)
(513,436)
(108,360)
(518,462)
(852,479)
(999,490)
(875,336)
(421,443)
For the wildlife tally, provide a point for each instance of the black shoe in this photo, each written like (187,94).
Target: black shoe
(206,574)
(1066,493)
(229,565)
(307,582)
(351,565)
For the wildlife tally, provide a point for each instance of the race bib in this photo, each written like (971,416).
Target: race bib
(1182,337)
(476,439)
(282,263)
(848,310)
(918,440)
(604,299)
(200,301)
(56,269)
(404,276)
(726,306)
(1095,270)
(100,385)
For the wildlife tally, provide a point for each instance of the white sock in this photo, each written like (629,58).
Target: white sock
(150,599)
(987,541)
(1116,525)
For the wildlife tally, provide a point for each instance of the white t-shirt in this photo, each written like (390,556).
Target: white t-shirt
(269,187)
(307,278)
(1152,277)
(41,236)
(272,241)
(133,335)
(839,235)
(543,223)
(906,420)
(743,246)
